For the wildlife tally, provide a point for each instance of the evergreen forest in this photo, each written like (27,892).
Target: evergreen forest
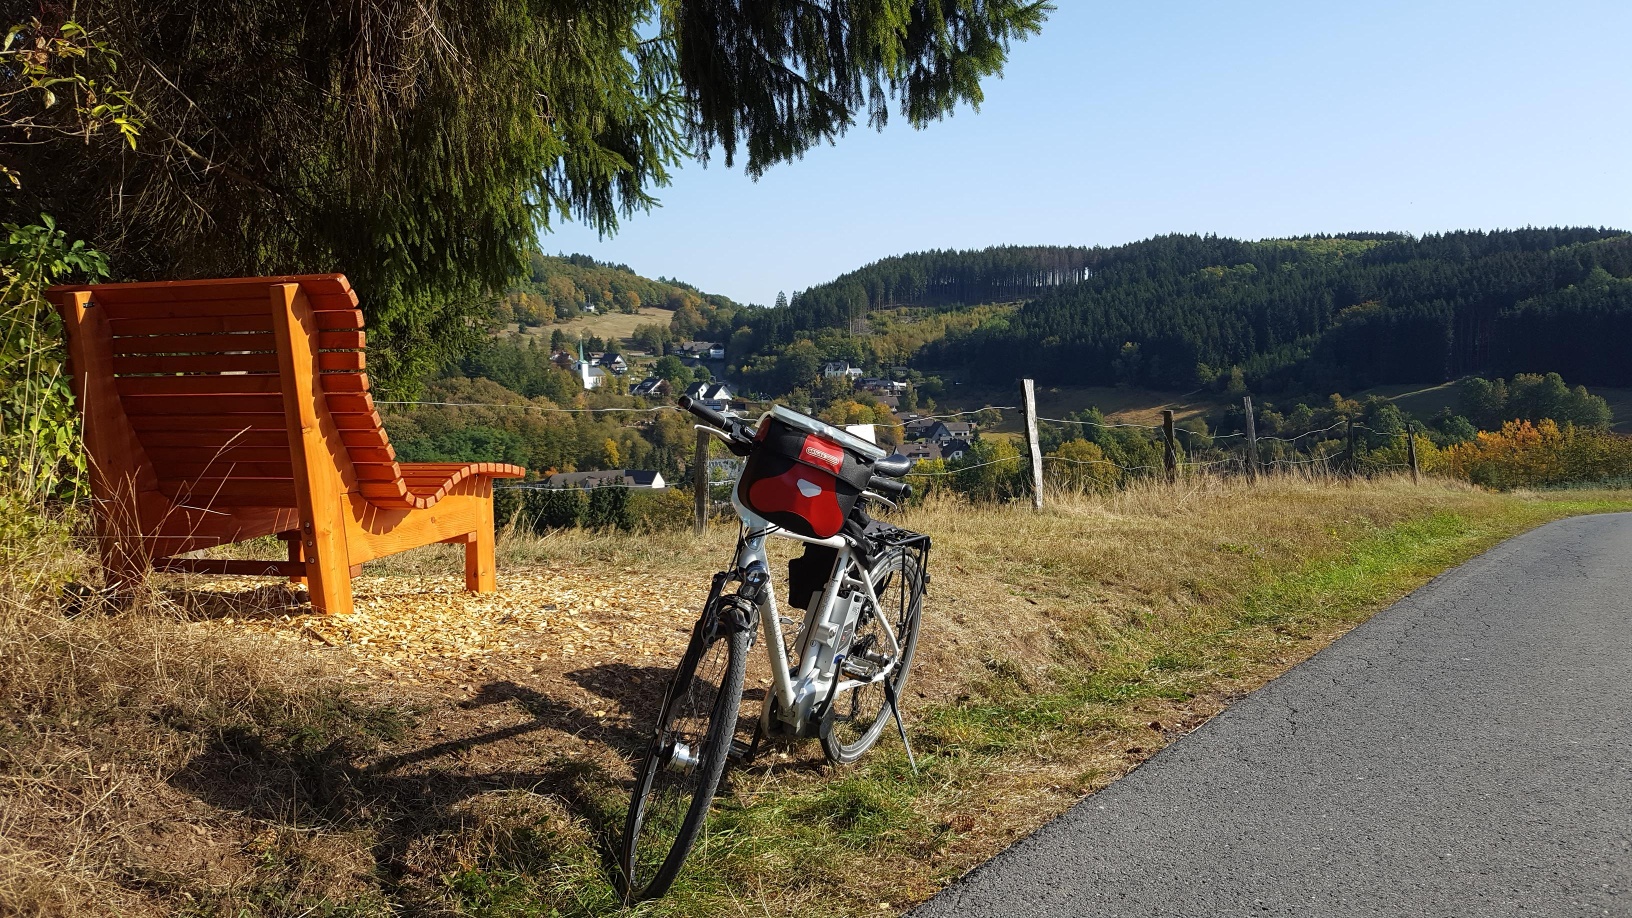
(1312,314)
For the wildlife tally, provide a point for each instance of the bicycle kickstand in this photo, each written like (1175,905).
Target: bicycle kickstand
(889,695)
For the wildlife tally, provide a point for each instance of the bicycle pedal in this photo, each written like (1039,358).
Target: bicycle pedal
(741,752)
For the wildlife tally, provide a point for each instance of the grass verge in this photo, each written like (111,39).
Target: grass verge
(145,767)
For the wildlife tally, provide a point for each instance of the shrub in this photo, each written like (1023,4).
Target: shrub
(39,428)
(1523,454)
(544,509)
(606,508)
(655,511)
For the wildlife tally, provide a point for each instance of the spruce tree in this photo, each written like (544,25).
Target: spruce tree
(420,146)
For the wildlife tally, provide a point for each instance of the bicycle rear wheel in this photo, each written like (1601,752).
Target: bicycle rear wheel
(855,720)
(675,783)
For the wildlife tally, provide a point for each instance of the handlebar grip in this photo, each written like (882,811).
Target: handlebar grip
(889,487)
(709,415)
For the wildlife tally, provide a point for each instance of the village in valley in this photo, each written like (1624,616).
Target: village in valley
(922,438)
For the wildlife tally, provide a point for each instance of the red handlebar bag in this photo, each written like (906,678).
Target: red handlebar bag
(801,481)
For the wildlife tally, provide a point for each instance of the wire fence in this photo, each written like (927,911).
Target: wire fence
(1187,450)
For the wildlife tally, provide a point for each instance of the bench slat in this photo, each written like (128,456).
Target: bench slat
(195,344)
(198,385)
(229,424)
(198,325)
(342,340)
(381,490)
(369,438)
(233,492)
(229,469)
(359,421)
(339,319)
(376,471)
(370,455)
(136,405)
(208,363)
(341,360)
(344,382)
(216,439)
(349,402)
(217,303)
(218,454)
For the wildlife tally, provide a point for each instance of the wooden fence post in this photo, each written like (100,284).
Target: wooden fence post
(1349,458)
(1029,389)
(1411,453)
(1170,454)
(1252,440)
(699,477)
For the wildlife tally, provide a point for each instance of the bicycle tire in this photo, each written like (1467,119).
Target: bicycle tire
(669,803)
(851,725)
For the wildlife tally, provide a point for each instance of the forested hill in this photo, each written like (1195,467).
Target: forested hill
(559,288)
(1345,311)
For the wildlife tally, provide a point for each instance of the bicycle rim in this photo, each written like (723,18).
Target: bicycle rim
(676,781)
(857,718)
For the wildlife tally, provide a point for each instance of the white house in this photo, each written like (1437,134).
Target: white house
(835,368)
(715,395)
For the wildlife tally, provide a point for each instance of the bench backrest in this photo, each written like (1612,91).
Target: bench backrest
(196,368)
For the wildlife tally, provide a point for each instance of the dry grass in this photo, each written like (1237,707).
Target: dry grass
(105,715)
(154,763)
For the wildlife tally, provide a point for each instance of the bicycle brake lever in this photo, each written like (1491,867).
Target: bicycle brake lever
(881,499)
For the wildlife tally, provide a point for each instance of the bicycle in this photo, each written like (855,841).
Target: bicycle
(861,584)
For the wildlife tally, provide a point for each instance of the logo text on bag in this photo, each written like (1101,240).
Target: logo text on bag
(824,454)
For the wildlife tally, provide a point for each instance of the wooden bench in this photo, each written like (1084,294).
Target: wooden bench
(223,410)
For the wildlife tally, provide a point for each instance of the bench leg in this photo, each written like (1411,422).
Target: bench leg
(479,564)
(329,585)
(296,556)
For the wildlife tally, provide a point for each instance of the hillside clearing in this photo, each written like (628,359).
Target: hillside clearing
(619,325)
(224,752)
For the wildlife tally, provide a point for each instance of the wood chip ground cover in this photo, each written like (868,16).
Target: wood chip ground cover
(418,630)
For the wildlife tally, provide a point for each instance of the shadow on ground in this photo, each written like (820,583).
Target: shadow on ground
(411,793)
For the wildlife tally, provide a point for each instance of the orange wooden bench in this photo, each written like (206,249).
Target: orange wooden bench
(222,410)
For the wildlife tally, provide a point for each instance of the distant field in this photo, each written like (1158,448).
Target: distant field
(1426,401)
(612,324)
(1134,406)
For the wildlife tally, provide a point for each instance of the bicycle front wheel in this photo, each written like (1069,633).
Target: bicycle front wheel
(675,784)
(856,718)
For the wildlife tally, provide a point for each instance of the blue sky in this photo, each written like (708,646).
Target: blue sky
(1122,121)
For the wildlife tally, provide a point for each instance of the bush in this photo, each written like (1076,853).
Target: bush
(653,511)
(544,509)
(39,426)
(1523,454)
(607,508)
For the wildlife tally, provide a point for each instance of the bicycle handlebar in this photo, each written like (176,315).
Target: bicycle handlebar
(741,439)
(889,487)
(707,414)
(741,436)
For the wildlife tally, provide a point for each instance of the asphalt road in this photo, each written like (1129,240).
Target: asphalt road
(1467,751)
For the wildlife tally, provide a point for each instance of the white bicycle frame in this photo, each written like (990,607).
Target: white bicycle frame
(828,626)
